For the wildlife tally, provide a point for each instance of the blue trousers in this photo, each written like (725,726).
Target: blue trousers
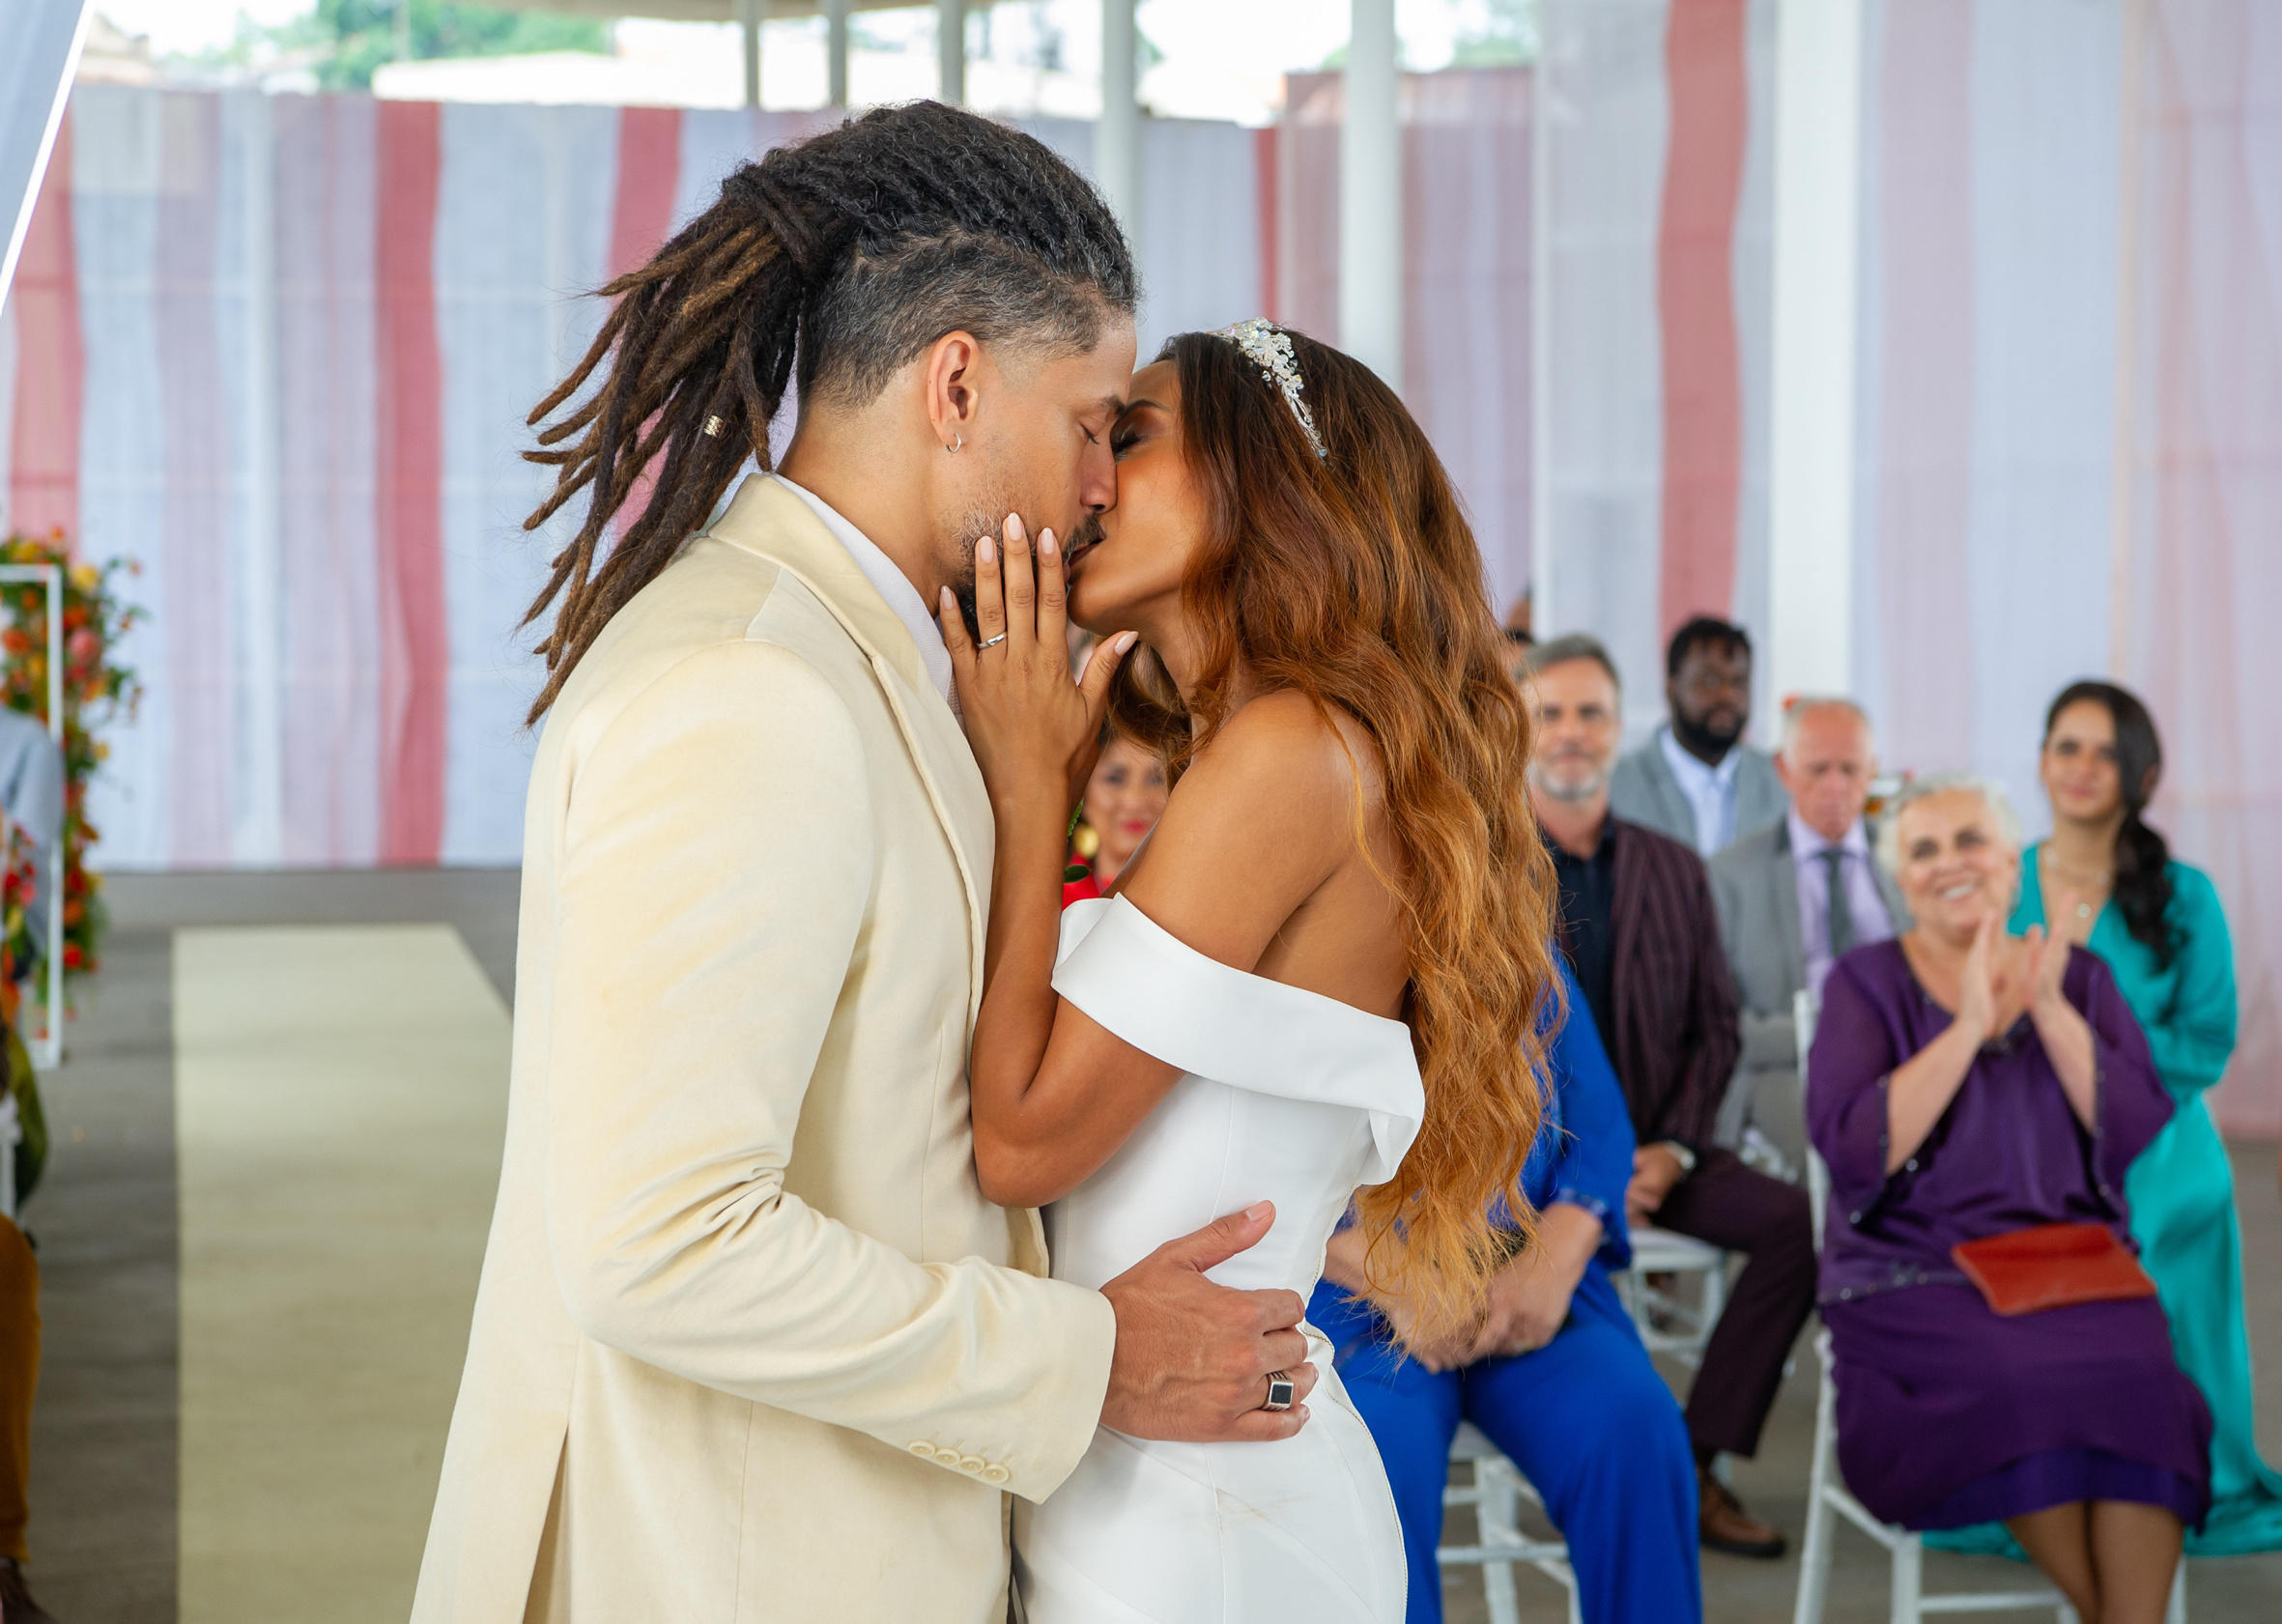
(1587,1420)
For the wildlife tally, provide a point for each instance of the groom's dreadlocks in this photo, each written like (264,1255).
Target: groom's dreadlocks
(852,251)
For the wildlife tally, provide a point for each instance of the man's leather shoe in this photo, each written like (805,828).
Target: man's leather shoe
(1722,1525)
(16,1600)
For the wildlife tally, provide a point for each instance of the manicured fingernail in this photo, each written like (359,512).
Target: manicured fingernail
(1259,1208)
(1123,641)
(1014,530)
(944,600)
(987,551)
(1045,544)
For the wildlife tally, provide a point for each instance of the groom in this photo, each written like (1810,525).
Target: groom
(750,1343)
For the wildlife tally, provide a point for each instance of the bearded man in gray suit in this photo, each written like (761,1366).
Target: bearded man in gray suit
(1791,899)
(1696,782)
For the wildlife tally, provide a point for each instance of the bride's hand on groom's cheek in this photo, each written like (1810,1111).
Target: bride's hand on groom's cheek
(1032,727)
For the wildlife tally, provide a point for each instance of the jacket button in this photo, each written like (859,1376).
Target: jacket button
(948,1456)
(995,1475)
(972,1466)
(921,1447)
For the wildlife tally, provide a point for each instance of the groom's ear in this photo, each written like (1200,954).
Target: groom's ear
(952,374)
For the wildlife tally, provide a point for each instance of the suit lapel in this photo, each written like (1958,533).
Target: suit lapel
(770,521)
(1678,810)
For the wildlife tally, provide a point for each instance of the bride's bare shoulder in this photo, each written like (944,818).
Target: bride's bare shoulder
(1303,754)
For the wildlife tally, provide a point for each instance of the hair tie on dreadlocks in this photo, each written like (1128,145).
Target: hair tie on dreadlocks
(809,233)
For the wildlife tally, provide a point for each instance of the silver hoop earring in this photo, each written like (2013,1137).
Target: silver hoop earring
(957,444)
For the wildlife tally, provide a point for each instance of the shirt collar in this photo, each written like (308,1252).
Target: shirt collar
(889,581)
(1689,767)
(1807,842)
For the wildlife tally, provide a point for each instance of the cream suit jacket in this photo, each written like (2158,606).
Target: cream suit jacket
(749,1344)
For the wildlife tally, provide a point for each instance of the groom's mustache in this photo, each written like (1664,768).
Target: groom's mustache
(1083,539)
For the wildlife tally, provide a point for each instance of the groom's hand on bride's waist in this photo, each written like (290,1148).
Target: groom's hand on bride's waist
(1193,1358)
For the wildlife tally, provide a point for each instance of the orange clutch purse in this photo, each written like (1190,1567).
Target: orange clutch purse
(2051,1266)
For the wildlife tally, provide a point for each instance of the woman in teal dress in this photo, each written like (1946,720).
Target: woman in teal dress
(2109,880)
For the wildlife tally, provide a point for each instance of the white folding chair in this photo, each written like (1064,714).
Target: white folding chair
(1496,1495)
(1827,1497)
(1669,1324)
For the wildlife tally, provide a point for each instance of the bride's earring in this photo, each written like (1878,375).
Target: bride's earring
(1084,842)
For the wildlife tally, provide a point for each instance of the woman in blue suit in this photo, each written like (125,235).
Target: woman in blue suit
(1558,1377)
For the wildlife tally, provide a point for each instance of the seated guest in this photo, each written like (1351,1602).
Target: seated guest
(1695,780)
(1792,898)
(1637,921)
(1124,799)
(2107,881)
(1966,1084)
(1557,1376)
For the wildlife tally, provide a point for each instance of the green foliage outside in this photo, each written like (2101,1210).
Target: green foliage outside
(346,40)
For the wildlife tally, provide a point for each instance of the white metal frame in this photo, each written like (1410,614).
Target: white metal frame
(1495,1495)
(1659,1251)
(1827,1497)
(47,1047)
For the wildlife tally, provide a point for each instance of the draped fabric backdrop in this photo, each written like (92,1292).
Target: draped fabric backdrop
(1660,123)
(280,349)
(2070,457)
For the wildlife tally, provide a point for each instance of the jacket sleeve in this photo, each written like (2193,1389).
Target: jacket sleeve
(1592,1158)
(1770,1040)
(714,878)
(1852,1059)
(1712,1037)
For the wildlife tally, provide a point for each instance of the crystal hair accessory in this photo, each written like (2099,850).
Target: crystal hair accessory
(1268,347)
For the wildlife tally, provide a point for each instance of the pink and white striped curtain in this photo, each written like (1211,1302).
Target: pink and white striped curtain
(2071,429)
(1658,120)
(1466,138)
(280,349)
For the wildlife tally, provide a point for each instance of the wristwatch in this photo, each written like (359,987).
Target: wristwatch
(1681,1154)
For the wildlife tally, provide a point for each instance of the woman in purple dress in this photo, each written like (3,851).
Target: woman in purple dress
(1965,1083)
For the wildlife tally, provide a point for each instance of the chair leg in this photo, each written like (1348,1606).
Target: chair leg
(1814,1546)
(1497,1592)
(1909,1582)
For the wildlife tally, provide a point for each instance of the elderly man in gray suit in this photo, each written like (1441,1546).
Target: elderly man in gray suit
(1791,899)
(1696,782)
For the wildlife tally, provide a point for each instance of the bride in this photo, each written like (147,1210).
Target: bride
(1315,984)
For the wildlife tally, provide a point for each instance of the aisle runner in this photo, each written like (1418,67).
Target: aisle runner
(340,1100)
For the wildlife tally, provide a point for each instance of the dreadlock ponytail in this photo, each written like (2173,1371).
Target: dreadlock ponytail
(847,254)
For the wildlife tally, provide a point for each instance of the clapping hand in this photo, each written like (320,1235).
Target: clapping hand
(2048,964)
(1977,990)
(1028,723)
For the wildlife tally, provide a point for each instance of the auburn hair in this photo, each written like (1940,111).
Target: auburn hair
(1354,579)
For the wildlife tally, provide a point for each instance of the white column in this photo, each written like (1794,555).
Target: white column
(749,16)
(1371,197)
(1117,139)
(1818,72)
(951,51)
(835,52)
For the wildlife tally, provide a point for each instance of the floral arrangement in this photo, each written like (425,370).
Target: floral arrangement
(96,692)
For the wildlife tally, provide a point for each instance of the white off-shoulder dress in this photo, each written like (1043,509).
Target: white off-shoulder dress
(1285,1095)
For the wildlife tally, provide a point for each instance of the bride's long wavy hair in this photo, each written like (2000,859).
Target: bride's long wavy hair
(1355,579)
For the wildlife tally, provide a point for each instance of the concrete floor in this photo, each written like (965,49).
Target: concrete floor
(105,1433)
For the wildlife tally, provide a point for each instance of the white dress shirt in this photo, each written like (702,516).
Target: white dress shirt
(1871,923)
(889,581)
(1710,790)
